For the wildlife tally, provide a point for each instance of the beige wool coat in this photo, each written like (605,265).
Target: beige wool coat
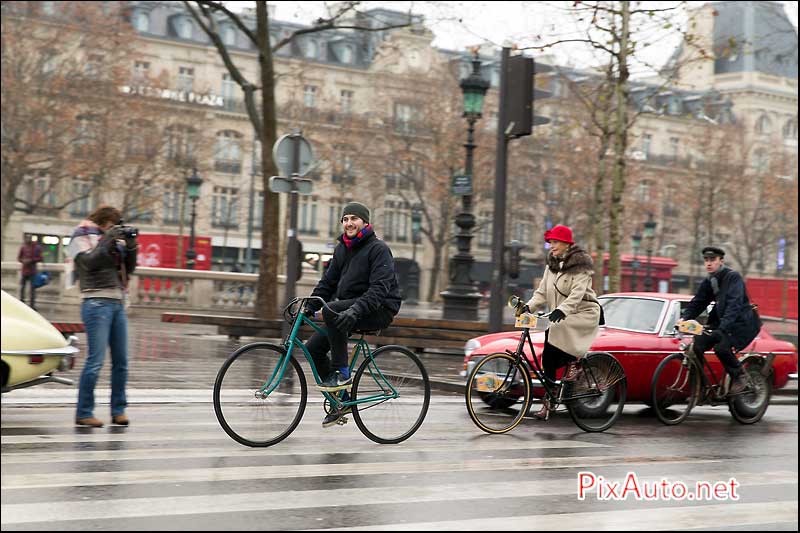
(567,285)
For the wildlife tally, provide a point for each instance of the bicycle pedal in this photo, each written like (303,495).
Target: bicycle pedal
(342,421)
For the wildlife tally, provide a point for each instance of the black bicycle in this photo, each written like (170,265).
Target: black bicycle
(500,388)
(683,380)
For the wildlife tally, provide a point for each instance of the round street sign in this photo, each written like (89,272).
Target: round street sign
(283,152)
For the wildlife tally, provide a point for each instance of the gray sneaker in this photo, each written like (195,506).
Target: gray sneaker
(336,381)
(336,417)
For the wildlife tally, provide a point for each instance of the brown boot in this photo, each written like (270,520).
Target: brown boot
(120,420)
(572,372)
(91,422)
(544,412)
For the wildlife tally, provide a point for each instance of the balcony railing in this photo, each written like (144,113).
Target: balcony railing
(228,166)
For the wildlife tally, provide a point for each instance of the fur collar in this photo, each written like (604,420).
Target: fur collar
(575,261)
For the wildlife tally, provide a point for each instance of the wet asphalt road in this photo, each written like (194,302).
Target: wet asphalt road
(175,469)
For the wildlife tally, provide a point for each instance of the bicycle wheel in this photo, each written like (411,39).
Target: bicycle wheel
(750,406)
(498,393)
(596,398)
(243,411)
(398,384)
(674,389)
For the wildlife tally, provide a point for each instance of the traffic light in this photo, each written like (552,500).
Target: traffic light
(514,258)
(519,103)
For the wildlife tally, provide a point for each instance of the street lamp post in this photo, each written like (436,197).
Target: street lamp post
(413,270)
(649,234)
(636,239)
(193,184)
(461,297)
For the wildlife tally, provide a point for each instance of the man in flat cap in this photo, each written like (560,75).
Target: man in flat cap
(361,289)
(733,323)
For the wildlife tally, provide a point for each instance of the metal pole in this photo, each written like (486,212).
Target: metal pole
(499,228)
(648,280)
(291,245)
(248,253)
(190,253)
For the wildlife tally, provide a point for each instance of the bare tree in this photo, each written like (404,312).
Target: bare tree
(208,14)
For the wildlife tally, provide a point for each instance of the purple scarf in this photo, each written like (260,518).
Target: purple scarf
(360,236)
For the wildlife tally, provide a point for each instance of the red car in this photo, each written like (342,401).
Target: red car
(639,333)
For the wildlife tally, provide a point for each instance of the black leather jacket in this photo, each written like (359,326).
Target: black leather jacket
(101,267)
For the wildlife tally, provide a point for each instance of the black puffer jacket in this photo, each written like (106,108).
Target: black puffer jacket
(366,272)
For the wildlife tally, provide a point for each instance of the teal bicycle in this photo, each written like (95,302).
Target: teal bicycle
(260,393)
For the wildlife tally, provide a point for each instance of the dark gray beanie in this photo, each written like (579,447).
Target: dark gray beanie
(357,209)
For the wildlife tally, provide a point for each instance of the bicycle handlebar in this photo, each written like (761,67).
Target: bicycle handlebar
(301,300)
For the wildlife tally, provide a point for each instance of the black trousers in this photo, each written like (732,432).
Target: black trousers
(722,347)
(336,341)
(27,280)
(553,358)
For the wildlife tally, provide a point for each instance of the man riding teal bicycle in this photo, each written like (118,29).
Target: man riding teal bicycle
(360,286)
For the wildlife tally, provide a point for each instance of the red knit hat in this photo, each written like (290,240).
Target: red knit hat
(559,233)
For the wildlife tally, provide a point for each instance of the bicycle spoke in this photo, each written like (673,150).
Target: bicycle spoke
(497,393)
(674,389)
(596,398)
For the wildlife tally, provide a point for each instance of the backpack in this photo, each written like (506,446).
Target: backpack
(40,279)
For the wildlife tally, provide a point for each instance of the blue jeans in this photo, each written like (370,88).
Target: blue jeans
(106,325)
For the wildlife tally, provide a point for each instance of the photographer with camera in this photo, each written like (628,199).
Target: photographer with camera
(104,252)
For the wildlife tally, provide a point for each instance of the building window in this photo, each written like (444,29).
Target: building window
(523,232)
(81,193)
(647,142)
(228,87)
(173,197)
(185,79)
(87,136)
(141,142)
(643,191)
(258,210)
(347,101)
(347,54)
(141,21)
(760,160)
(94,65)
(396,221)
(335,217)
(311,49)
(48,8)
(307,217)
(790,130)
(181,145)
(674,143)
(225,207)
(404,118)
(763,125)
(485,229)
(229,36)
(310,96)
(343,171)
(184,28)
(228,152)
(141,71)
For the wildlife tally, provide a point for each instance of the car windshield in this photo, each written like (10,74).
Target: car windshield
(639,314)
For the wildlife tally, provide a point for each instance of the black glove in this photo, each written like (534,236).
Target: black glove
(346,320)
(557,316)
(311,307)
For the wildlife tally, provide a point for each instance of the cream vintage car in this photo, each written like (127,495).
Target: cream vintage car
(32,349)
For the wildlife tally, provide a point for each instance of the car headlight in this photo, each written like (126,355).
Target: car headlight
(471,346)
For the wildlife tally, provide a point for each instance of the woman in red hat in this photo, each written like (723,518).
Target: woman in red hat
(566,289)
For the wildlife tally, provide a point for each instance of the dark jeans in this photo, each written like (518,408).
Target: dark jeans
(27,280)
(722,347)
(106,327)
(554,358)
(336,341)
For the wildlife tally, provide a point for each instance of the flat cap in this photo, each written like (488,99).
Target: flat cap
(713,251)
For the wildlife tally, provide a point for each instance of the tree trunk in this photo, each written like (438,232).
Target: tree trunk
(267,296)
(620,145)
(596,214)
(435,270)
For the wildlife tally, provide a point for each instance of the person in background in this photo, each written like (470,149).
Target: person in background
(30,253)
